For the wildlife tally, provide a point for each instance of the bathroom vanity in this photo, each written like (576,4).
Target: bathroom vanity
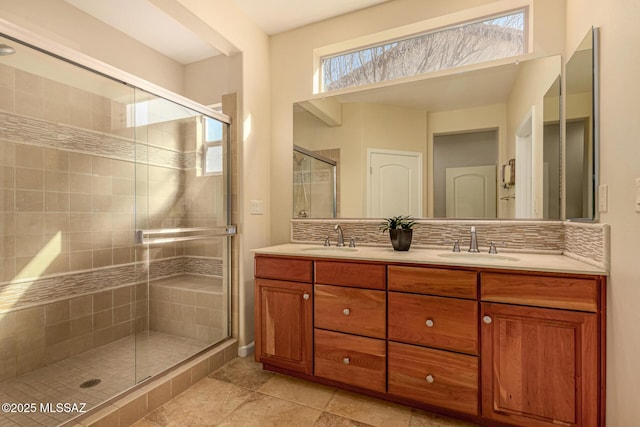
(498,341)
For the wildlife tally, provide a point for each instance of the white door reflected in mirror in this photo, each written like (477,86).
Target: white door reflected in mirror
(471,192)
(394,185)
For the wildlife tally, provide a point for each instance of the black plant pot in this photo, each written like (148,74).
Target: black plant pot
(401,239)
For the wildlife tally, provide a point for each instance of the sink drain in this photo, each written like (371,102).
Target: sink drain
(90,383)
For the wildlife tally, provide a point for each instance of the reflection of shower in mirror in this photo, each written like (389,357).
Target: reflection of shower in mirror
(314,185)
(299,185)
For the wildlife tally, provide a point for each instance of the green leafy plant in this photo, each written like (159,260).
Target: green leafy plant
(403,222)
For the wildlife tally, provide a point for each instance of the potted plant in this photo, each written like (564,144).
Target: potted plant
(400,231)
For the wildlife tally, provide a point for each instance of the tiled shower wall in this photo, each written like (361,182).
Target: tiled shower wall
(34,337)
(67,183)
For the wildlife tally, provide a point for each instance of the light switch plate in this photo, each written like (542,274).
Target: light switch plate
(638,195)
(257,207)
(603,198)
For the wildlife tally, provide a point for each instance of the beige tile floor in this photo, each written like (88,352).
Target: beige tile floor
(242,394)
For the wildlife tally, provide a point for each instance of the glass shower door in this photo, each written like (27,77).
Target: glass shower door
(182,232)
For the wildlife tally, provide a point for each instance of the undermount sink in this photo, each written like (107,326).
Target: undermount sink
(330,249)
(474,256)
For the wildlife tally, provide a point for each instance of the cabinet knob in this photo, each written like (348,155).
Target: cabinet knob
(429,379)
(346,311)
(305,296)
(487,319)
(429,323)
(346,360)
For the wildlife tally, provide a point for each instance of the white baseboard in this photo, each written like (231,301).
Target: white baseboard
(246,350)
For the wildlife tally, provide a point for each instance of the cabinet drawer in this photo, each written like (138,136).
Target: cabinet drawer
(446,323)
(351,310)
(433,281)
(296,270)
(358,275)
(350,359)
(435,377)
(541,291)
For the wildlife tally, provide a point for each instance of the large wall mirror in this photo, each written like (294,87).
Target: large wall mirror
(477,144)
(582,136)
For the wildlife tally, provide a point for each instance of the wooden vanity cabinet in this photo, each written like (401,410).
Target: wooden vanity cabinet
(497,347)
(540,366)
(284,313)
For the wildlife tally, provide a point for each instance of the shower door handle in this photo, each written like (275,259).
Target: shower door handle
(172,235)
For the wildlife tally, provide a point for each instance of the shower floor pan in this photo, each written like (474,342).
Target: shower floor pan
(113,364)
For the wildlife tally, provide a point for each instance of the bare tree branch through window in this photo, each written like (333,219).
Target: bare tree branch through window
(470,43)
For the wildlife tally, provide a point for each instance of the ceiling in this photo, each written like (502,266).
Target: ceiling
(276,16)
(451,91)
(150,25)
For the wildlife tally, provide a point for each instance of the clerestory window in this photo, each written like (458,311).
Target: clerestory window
(496,37)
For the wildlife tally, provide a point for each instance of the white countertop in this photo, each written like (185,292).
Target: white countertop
(516,261)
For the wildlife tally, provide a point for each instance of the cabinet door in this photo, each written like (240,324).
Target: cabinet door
(284,324)
(539,366)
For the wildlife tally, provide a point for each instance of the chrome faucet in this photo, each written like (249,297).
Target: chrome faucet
(473,244)
(340,236)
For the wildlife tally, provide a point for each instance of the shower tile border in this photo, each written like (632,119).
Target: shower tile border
(587,242)
(37,132)
(17,295)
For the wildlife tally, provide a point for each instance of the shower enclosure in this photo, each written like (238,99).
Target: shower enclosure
(314,185)
(114,234)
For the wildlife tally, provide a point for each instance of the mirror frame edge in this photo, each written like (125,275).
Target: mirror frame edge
(595,110)
(595,33)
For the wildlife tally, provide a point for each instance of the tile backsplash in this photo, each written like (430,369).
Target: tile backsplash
(585,241)
(588,242)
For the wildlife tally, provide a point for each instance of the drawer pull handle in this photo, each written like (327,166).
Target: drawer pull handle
(305,296)
(429,323)
(487,319)
(346,311)
(429,379)
(346,360)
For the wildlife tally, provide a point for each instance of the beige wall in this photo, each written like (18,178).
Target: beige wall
(207,80)
(620,165)
(292,70)
(227,19)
